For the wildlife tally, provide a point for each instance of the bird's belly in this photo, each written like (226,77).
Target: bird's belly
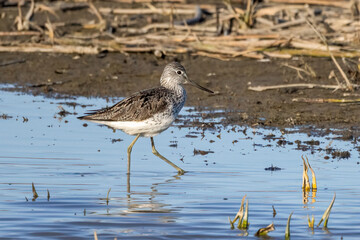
(146,128)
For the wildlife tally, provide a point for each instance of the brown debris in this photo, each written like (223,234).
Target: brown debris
(274,29)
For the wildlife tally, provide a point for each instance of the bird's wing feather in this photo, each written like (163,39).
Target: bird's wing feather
(138,107)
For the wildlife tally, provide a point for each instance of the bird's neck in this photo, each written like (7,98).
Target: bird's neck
(177,89)
(179,97)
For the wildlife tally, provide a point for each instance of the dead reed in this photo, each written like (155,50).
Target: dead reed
(226,30)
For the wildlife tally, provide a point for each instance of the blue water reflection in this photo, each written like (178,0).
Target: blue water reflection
(78,163)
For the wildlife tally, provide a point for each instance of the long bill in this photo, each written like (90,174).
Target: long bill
(198,86)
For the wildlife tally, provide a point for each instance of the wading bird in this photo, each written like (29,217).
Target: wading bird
(149,112)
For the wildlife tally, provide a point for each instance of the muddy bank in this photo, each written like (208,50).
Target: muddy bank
(109,75)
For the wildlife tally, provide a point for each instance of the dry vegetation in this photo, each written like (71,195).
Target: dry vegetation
(227,29)
(220,29)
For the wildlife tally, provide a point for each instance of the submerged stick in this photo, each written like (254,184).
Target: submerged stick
(107,196)
(274,211)
(326,215)
(265,230)
(35,195)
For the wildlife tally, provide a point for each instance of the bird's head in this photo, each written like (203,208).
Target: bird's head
(174,74)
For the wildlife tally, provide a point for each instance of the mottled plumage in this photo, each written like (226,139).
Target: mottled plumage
(140,106)
(148,112)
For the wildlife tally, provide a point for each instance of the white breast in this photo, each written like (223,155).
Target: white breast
(147,128)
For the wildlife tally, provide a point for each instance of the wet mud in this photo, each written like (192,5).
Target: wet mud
(118,75)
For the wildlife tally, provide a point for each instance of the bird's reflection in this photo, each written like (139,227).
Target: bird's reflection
(152,205)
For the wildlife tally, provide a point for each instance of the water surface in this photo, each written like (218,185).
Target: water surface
(78,162)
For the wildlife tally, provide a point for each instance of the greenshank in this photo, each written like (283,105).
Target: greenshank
(149,112)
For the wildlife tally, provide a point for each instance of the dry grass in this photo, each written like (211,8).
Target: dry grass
(224,31)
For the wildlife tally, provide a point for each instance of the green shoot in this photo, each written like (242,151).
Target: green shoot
(326,215)
(313,184)
(311,222)
(231,224)
(287,230)
(243,217)
(245,222)
(306,183)
(240,213)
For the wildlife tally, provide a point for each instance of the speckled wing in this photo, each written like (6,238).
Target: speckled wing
(138,107)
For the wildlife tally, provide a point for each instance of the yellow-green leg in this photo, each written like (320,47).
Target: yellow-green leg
(129,152)
(156,153)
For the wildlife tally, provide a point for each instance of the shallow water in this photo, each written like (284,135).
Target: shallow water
(78,164)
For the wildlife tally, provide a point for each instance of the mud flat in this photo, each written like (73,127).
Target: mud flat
(118,75)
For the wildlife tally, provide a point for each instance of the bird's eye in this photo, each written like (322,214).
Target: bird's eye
(179,72)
